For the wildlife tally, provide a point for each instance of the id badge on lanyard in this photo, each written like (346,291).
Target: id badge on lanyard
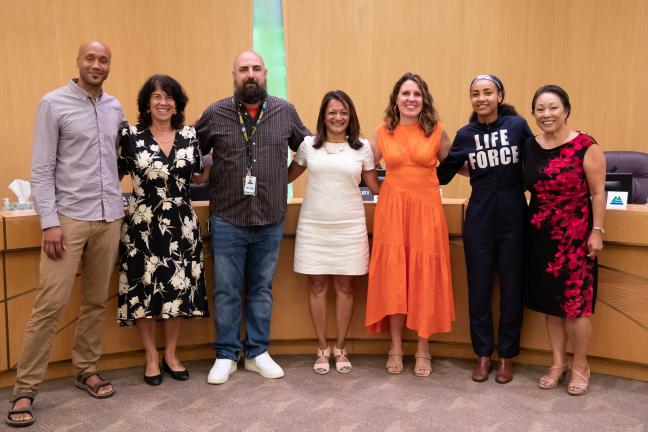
(249,181)
(249,184)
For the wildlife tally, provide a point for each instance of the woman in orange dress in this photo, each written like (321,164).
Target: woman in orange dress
(409,272)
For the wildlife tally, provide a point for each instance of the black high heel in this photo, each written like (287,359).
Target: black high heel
(154,380)
(182,375)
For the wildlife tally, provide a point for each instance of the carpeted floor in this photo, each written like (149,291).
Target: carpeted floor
(367,399)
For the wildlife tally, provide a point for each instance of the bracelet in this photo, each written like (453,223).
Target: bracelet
(598,228)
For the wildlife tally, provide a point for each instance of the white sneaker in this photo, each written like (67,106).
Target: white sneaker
(264,365)
(220,372)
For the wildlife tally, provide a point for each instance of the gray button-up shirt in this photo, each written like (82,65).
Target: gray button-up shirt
(74,163)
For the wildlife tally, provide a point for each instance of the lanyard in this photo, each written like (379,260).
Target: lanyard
(248,138)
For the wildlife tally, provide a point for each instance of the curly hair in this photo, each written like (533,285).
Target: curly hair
(427,118)
(171,87)
(353,127)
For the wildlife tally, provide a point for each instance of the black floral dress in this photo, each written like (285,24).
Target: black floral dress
(560,279)
(161,263)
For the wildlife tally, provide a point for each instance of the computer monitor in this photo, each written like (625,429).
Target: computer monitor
(619,182)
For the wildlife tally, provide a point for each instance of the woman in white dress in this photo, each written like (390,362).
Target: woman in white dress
(331,243)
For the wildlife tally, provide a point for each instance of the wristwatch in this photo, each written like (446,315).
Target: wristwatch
(598,228)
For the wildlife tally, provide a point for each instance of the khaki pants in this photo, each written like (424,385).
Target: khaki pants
(97,243)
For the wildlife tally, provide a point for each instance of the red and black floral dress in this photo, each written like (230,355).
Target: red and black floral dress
(560,279)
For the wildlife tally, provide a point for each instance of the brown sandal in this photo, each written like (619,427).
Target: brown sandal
(27,410)
(94,389)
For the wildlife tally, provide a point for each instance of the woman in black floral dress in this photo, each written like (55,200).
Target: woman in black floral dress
(565,172)
(161,273)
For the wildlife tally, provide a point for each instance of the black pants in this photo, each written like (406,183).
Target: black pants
(494,239)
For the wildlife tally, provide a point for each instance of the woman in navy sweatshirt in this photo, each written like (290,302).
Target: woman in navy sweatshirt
(490,145)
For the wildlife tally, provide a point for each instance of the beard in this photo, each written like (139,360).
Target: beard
(250,94)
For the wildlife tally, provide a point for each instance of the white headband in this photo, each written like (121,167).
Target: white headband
(487,78)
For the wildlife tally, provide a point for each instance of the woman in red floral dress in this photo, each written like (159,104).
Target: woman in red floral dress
(565,172)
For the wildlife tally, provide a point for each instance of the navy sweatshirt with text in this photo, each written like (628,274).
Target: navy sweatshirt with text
(492,152)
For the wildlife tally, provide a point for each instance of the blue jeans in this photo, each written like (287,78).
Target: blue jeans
(251,253)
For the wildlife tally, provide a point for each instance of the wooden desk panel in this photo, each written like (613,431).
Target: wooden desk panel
(22,229)
(629,226)
(3,282)
(22,269)
(625,293)
(454,209)
(629,259)
(615,335)
(2,236)
(292,216)
(290,314)
(460,333)
(3,320)
(3,339)
(19,311)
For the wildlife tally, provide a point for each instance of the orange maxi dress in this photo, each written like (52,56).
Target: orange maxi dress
(409,271)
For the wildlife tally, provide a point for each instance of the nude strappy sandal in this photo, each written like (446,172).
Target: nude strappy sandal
(342,363)
(546,382)
(394,362)
(579,388)
(321,365)
(426,368)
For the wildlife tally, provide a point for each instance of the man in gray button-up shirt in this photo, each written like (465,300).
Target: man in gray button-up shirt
(77,196)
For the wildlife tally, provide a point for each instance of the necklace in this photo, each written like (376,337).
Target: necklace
(332,148)
(170,135)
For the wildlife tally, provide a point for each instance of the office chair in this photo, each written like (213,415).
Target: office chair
(635,163)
